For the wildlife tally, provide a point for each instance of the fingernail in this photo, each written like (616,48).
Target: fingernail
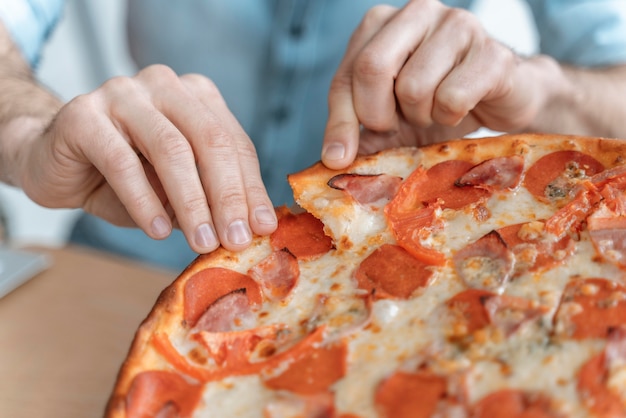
(239,233)
(160,227)
(335,151)
(205,236)
(264,215)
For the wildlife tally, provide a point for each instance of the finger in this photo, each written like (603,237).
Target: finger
(261,215)
(341,136)
(169,151)
(118,162)
(431,63)
(483,74)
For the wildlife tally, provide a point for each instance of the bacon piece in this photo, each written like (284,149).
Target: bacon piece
(227,313)
(302,234)
(367,188)
(553,177)
(277,274)
(157,392)
(314,372)
(602,379)
(411,395)
(494,174)
(486,263)
(391,272)
(474,309)
(570,217)
(515,403)
(205,287)
(589,308)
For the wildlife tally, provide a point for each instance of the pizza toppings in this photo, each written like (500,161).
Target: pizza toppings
(515,403)
(277,274)
(207,286)
(161,392)
(410,394)
(314,371)
(494,174)
(486,263)
(602,380)
(367,189)
(302,234)
(473,310)
(589,308)
(554,177)
(391,272)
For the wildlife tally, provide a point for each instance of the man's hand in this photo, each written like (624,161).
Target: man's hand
(427,73)
(157,151)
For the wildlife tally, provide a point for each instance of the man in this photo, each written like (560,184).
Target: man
(174,148)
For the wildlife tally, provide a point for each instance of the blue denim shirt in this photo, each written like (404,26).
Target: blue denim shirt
(273,61)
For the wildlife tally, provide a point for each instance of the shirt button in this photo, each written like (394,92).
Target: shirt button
(280,114)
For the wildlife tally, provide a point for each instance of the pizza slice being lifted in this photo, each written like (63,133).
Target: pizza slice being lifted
(474,278)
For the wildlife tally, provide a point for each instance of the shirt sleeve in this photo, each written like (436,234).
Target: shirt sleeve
(588,33)
(30,22)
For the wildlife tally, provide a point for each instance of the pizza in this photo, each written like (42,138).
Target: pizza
(473,278)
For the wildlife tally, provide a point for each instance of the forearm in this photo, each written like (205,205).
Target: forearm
(584,102)
(26,108)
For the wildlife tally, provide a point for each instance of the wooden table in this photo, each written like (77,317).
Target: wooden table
(64,334)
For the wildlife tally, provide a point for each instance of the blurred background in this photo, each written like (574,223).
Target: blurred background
(89,46)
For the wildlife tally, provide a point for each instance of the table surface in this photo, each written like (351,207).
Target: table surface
(65,333)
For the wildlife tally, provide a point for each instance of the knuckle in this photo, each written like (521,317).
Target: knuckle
(194,204)
(409,91)
(376,16)
(231,197)
(453,102)
(370,65)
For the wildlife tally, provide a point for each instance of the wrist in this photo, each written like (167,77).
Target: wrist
(16,139)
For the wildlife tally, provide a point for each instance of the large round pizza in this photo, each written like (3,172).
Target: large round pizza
(474,278)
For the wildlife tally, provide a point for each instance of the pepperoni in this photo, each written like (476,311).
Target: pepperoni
(410,229)
(367,189)
(513,403)
(277,274)
(302,234)
(207,286)
(391,272)
(494,174)
(554,176)
(589,308)
(593,378)
(533,250)
(313,372)
(158,392)
(410,395)
(486,263)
